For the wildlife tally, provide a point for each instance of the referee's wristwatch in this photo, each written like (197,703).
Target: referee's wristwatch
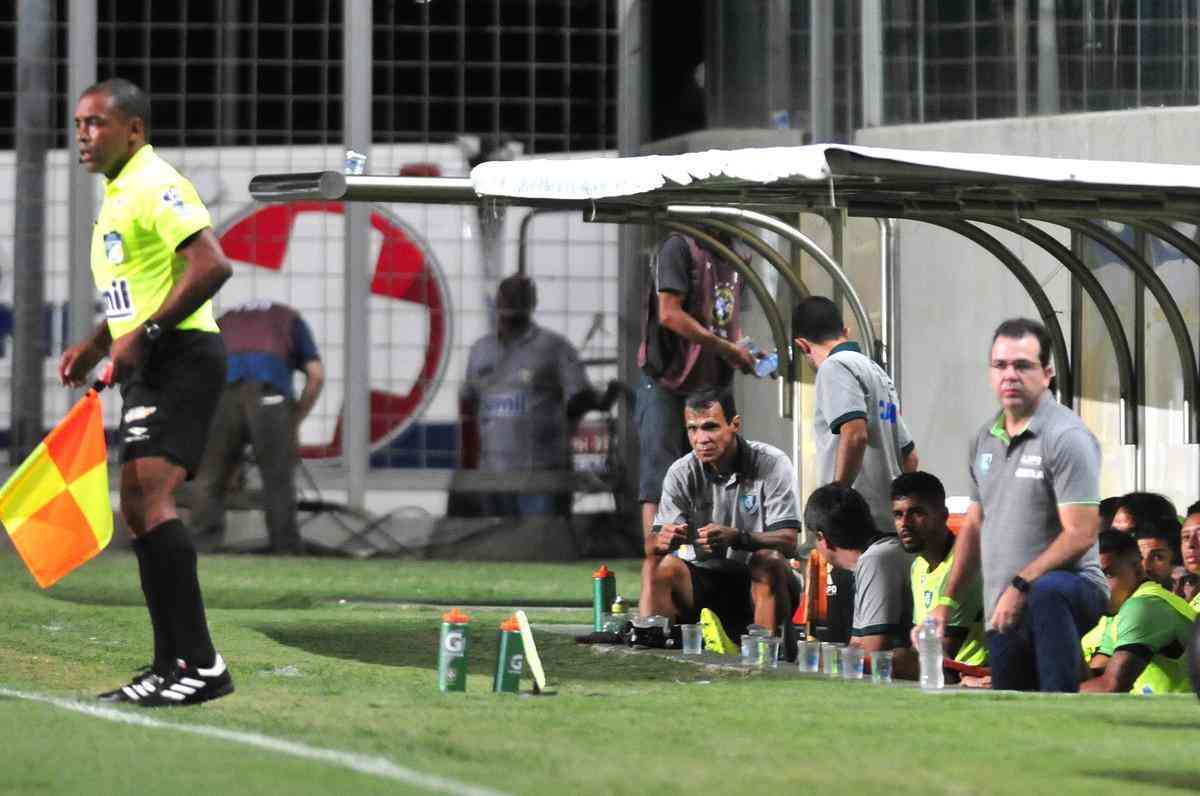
(153,330)
(1020,584)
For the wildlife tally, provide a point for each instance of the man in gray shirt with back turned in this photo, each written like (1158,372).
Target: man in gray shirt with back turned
(1032,523)
(841,521)
(861,439)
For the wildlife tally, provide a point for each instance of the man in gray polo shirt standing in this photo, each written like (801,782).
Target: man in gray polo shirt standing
(734,501)
(862,441)
(1032,523)
(524,391)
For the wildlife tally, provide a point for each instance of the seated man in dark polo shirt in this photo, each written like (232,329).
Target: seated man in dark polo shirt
(726,524)
(845,533)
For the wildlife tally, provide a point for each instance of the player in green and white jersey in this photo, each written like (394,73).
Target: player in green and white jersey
(1143,649)
(920,516)
(1189,545)
(157,262)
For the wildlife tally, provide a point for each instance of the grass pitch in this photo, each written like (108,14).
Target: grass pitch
(359,677)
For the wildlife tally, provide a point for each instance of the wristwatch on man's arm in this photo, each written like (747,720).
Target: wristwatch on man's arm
(153,330)
(1020,584)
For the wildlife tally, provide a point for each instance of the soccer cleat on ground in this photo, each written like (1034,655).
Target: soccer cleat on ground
(143,684)
(715,639)
(191,685)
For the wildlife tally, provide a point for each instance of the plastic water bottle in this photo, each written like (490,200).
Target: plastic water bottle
(767,365)
(764,367)
(356,163)
(929,648)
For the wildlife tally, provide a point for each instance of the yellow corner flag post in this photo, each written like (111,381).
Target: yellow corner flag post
(56,506)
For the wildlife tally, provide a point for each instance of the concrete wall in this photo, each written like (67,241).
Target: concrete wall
(953,294)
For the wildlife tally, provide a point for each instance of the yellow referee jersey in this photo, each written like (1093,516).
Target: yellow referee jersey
(148,210)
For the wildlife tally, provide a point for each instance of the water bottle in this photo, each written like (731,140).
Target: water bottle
(356,163)
(764,367)
(929,648)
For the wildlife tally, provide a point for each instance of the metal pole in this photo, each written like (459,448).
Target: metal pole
(1021,55)
(33,121)
(889,299)
(871,37)
(920,62)
(1047,62)
(820,71)
(356,125)
(81,197)
(227,105)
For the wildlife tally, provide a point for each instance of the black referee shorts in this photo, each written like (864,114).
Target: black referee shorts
(726,591)
(169,402)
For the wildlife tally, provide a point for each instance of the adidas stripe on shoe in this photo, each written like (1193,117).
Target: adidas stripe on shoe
(191,685)
(143,684)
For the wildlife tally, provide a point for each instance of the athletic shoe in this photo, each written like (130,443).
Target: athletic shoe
(143,684)
(715,639)
(191,685)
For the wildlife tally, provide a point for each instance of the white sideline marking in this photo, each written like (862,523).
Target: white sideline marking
(363,764)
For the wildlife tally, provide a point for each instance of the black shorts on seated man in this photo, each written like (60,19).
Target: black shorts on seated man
(731,504)
(845,534)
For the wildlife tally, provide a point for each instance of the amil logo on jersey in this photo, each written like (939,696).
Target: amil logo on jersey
(118,303)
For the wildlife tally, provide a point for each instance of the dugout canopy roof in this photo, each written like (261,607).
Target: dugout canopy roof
(964,192)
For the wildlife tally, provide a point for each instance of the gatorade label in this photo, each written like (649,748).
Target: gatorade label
(510,662)
(452,656)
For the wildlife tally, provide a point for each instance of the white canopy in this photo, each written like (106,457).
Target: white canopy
(825,174)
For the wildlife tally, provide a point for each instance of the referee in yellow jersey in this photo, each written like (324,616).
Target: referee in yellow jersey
(158,264)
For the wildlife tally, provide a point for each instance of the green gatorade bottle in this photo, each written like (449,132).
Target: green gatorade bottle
(452,651)
(510,658)
(604,591)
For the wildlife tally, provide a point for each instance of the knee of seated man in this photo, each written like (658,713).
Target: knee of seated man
(669,569)
(767,565)
(1046,590)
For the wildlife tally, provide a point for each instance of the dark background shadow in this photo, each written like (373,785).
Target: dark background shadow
(386,644)
(1181,780)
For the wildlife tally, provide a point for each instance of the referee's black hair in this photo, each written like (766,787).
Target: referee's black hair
(817,319)
(842,516)
(1016,328)
(1193,509)
(708,396)
(127,97)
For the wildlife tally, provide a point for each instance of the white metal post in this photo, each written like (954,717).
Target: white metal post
(81,198)
(356,128)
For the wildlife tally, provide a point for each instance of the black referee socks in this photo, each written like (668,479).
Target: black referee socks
(177,591)
(164,646)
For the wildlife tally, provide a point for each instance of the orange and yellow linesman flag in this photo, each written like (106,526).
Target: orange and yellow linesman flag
(56,506)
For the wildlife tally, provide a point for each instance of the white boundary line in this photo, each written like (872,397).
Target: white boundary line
(363,764)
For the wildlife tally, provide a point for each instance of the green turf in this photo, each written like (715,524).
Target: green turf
(360,676)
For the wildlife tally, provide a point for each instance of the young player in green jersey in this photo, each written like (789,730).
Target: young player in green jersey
(1189,545)
(919,511)
(1144,647)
